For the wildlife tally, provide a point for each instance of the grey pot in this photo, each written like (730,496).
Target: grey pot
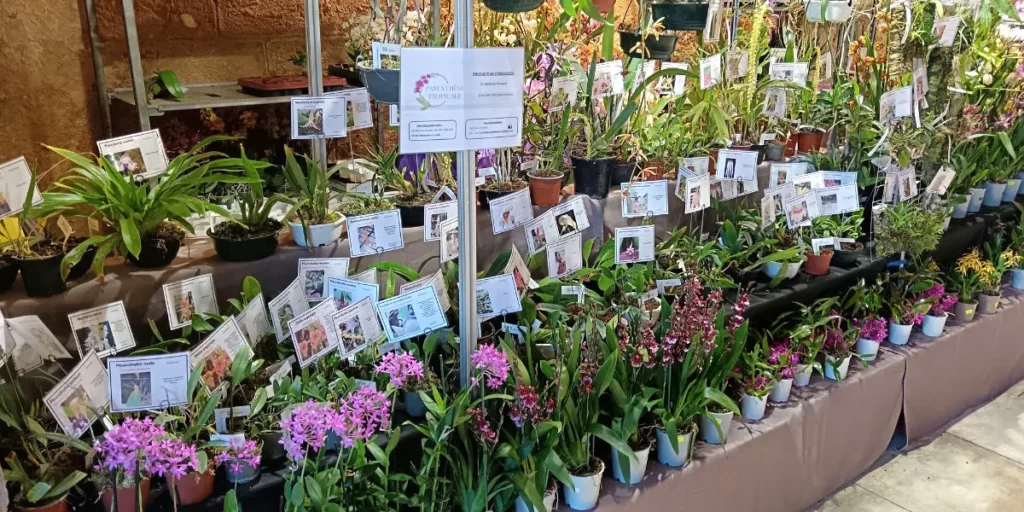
(988,304)
(964,311)
(774,152)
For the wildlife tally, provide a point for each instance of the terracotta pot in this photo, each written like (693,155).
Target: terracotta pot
(808,142)
(60,505)
(125,497)
(546,190)
(604,5)
(790,148)
(192,488)
(817,264)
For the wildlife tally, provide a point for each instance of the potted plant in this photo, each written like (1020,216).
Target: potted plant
(252,234)
(808,335)
(846,230)
(908,229)
(547,177)
(312,219)
(940,305)
(29,249)
(904,302)
(631,453)
(788,255)
(400,26)
(646,39)
(142,219)
(506,176)
(412,195)
(864,304)
(783,360)
(818,261)
(965,279)
(407,374)
(840,339)
(997,263)
(755,384)
(125,458)
(1017,245)
(241,460)
(681,15)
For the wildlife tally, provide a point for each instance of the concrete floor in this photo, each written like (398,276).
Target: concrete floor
(978,464)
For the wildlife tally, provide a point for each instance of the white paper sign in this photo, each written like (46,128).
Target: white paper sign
(808,182)
(907,180)
(457,99)
(213,357)
(411,314)
(607,80)
(775,102)
(780,174)
(736,64)
(800,210)
(287,305)
(497,296)
(896,104)
(357,107)
(435,214)
(520,272)
(375,233)
(188,298)
(945,30)
(941,182)
(643,198)
(379,50)
(823,244)
(744,187)
(736,165)
(710,71)
(314,273)
(31,343)
(768,213)
(565,256)
(795,72)
(698,193)
(141,155)
(676,84)
(436,281)
(449,240)
(357,327)
(148,382)
(313,333)
(319,118)
(697,165)
(253,320)
(103,330)
(634,244)
(80,398)
(345,292)
(668,286)
(543,230)
(570,217)
(15,177)
(838,178)
(837,200)
(511,211)
(564,91)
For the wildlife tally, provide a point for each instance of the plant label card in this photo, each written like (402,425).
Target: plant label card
(768,213)
(669,286)
(379,50)
(253,320)
(357,107)
(808,182)
(368,276)
(213,356)
(822,244)
(634,244)
(435,214)
(775,102)
(33,343)
(141,155)
(838,200)
(80,398)
(393,119)
(716,190)
(103,330)
(313,333)
(497,296)
(920,83)
(314,273)
(148,382)
(319,118)
(795,72)
(565,256)
(375,233)
(746,187)
(642,72)
(15,178)
(570,217)
(511,211)
(445,193)
(188,298)
(766,138)
(941,182)
(713,21)
(676,84)
(780,174)
(907,180)
(520,272)
(801,209)
(780,195)
(736,165)
(575,290)
(698,193)
(222,414)
(710,71)
(896,104)
(345,292)
(838,178)
(564,92)
(436,281)
(287,305)
(695,166)
(736,64)
(449,240)
(644,198)
(411,314)
(945,31)
(890,193)
(825,67)
(607,80)
(458,99)
(356,327)
(542,230)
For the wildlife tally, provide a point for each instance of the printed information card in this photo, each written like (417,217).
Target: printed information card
(635,244)
(213,356)
(837,200)
(643,198)
(314,273)
(449,240)
(357,327)
(188,298)
(103,330)
(801,209)
(286,306)
(141,155)
(565,256)
(15,178)
(511,211)
(436,281)
(435,214)
(313,333)
(33,343)
(736,165)
(345,292)
(411,314)
(357,107)
(497,296)
(148,382)
(319,118)
(81,398)
(698,193)
(253,320)
(520,272)
(375,233)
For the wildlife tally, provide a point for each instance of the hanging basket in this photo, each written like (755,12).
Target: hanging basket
(657,49)
(513,5)
(383,84)
(690,17)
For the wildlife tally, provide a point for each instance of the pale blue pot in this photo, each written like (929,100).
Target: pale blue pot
(899,334)
(994,193)
(932,325)
(1012,187)
(976,199)
(1017,279)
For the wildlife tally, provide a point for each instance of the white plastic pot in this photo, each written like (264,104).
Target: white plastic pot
(585,489)
(960,209)
(836,372)
(320,234)
(994,193)
(637,469)
(899,334)
(780,391)
(670,456)
(1012,187)
(1017,279)
(977,199)
(932,325)
(772,269)
(803,375)
(708,432)
(753,407)
(549,502)
(867,349)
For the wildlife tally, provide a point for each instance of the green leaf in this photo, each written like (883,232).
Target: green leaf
(605,434)
(65,485)
(316,494)
(37,492)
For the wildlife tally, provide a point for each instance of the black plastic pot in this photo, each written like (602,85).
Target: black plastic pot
(249,249)
(657,49)
(8,273)
(485,197)
(681,16)
(622,172)
(760,148)
(79,269)
(412,216)
(41,277)
(382,84)
(513,5)
(156,253)
(346,71)
(592,177)
(846,259)
(273,450)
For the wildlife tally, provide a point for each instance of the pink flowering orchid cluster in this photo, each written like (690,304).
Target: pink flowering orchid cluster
(492,365)
(836,343)
(637,343)
(402,368)
(757,384)
(171,457)
(357,418)
(528,408)
(239,454)
(973,121)
(872,328)
(692,320)
(783,359)
(143,445)
(941,301)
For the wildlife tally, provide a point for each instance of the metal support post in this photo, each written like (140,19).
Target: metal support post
(131,35)
(315,71)
(466,162)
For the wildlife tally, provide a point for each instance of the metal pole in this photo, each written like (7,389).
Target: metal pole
(97,68)
(466,163)
(315,72)
(131,35)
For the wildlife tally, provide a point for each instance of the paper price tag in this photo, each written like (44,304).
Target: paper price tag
(94,226)
(65,226)
(574,290)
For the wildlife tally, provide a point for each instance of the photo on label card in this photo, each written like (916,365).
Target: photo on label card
(314,284)
(284,314)
(311,121)
(311,339)
(351,332)
(98,338)
(136,390)
(566,223)
(184,307)
(129,162)
(539,241)
(629,249)
(435,224)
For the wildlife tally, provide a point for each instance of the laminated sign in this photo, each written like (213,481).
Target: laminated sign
(455,99)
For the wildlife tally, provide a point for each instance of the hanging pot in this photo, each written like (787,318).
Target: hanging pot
(753,407)
(689,16)
(657,49)
(155,253)
(8,272)
(977,200)
(803,375)
(817,264)
(987,304)
(41,276)
(932,325)
(994,193)
(637,468)
(384,85)
(545,190)
(246,249)
(1012,187)
(513,6)
(414,405)
(836,369)
(780,391)
(709,434)
(126,497)
(592,177)
(1017,279)
(960,209)
(320,234)
(670,456)
(964,311)
(586,487)
(867,349)
(899,334)
(192,488)
(412,215)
